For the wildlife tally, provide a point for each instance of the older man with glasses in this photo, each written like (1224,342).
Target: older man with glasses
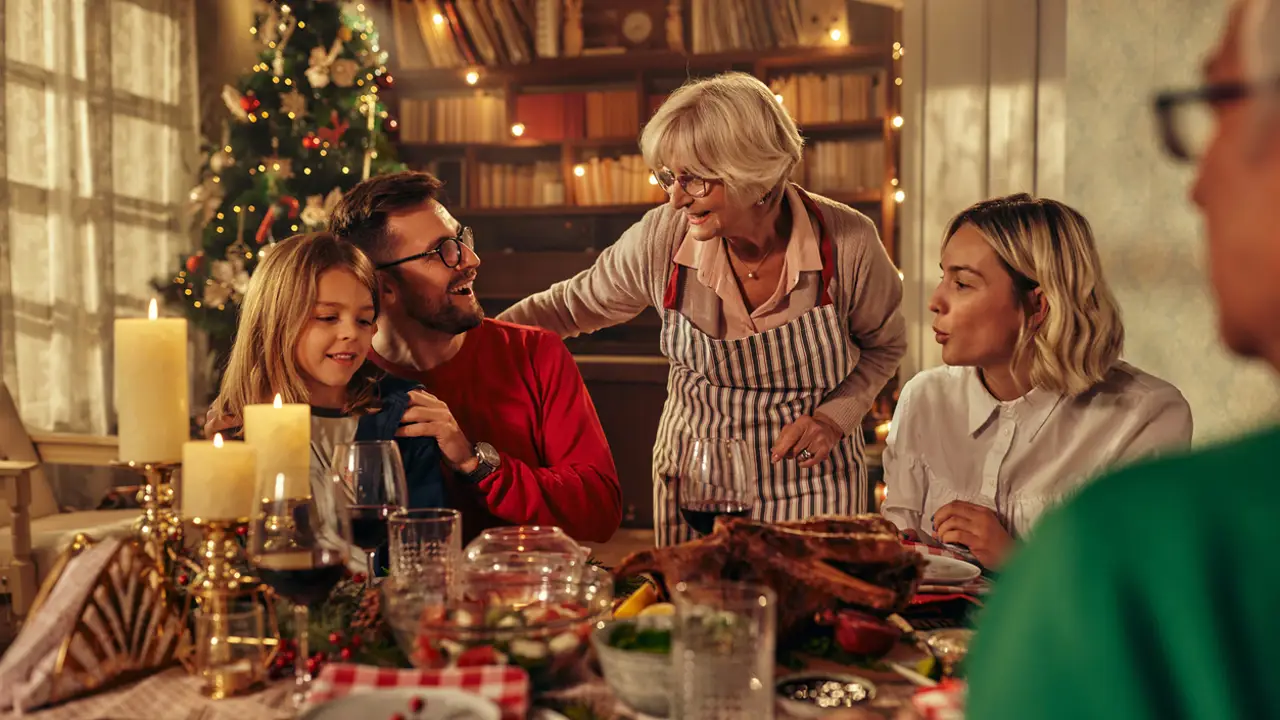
(506,403)
(1155,593)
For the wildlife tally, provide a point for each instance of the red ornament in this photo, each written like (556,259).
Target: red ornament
(333,135)
(182,579)
(310,141)
(358,578)
(345,653)
(334,638)
(193,262)
(249,103)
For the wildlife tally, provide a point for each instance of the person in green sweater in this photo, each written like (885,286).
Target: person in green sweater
(1155,592)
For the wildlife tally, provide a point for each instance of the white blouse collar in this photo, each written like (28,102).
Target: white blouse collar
(1031,410)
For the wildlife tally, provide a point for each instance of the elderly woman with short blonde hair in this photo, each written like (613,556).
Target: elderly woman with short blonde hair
(1033,400)
(780,307)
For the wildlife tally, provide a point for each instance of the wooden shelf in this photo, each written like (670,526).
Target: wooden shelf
(811,130)
(628,209)
(595,68)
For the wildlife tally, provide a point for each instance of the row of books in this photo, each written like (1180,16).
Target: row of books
(460,33)
(454,119)
(527,185)
(596,114)
(727,25)
(842,166)
(833,97)
(623,180)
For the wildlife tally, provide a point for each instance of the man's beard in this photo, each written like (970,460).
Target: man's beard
(444,316)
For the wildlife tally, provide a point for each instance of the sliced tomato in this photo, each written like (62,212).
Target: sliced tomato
(479,655)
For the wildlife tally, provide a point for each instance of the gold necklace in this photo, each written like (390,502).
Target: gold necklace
(753,272)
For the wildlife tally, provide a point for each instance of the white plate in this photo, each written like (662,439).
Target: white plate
(943,570)
(441,703)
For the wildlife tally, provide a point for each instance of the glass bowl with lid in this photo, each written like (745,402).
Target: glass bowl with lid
(524,550)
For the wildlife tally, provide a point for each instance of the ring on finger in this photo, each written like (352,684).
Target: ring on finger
(805,454)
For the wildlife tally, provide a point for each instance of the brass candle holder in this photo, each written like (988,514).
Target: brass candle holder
(159,529)
(231,653)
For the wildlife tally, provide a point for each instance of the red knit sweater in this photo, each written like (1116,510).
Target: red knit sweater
(518,389)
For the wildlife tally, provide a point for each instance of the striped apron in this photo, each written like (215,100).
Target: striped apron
(750,389)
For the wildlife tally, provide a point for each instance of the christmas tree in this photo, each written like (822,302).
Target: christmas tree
(305,126)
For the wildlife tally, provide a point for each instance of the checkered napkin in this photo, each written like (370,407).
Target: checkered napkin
(944,701)
(974,588)
(506,685)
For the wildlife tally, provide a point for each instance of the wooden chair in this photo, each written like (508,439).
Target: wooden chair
(33,529)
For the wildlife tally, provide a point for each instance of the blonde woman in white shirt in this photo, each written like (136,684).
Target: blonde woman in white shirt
(1033,400)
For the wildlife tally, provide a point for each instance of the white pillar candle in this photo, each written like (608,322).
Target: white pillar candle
(151,387)
(218,479)
(281,434)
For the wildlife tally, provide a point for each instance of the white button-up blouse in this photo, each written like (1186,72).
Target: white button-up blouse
(951,440)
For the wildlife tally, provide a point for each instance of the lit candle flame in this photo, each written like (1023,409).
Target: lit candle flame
(279,485)
(278,402)
(153,311)
(217,440)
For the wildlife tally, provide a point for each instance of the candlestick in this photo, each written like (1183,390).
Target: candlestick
(159,529)
(281,435)
(218,479)
(151,387)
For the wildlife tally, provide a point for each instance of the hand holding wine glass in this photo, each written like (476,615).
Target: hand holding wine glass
(371,476)
(717,477)
(298,544)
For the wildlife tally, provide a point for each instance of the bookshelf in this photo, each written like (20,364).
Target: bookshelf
(543,203)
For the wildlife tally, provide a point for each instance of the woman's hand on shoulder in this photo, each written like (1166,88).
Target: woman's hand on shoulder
(810,438)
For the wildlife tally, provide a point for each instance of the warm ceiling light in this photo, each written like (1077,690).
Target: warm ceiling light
(897,121)
(437,19)
(579,170)
(836,34)
(473,77)
(517,129)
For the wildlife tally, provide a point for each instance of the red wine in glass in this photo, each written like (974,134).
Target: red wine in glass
(369,525)
(701,516)
(300,577)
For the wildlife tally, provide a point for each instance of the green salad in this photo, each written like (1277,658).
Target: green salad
(650,640)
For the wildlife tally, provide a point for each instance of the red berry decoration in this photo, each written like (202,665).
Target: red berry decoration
(345,653)
(358,578)
(334,638)
(249,103)
(417,704)
(355,641)
(242,530)
(182,579)
(310,141)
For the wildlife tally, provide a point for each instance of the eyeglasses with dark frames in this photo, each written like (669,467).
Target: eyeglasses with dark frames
(1185,117)
(449,250)
(692,184)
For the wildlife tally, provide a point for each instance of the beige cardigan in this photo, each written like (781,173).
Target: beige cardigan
(633,273)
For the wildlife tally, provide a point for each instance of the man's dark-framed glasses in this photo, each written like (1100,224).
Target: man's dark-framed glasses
(692,184)
(1186,118)
(449,250)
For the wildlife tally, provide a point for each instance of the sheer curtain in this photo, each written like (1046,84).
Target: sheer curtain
(98,145)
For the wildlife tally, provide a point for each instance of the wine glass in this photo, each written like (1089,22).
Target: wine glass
(298,544)
(371,474)
(717,477)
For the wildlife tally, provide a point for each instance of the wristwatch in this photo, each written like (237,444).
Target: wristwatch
(489,461)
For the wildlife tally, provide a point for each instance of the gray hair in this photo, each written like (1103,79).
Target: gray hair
(728,127)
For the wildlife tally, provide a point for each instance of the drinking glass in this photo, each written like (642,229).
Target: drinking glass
(722,650)
(230,652)
(426,547)
(299,544)
(371,474)
(717,477)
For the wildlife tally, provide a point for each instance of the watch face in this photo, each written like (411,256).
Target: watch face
(487,454)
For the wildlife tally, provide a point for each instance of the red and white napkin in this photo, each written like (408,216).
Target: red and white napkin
(505,685)
(944,701)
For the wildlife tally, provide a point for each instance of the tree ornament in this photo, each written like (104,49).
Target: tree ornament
(193,262)
(294,102)
(234,101)
(310,141)
(249,103)
(343,72)
(315,216)
(320,63)
(337,127)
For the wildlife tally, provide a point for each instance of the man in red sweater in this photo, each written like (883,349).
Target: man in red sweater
(505,402)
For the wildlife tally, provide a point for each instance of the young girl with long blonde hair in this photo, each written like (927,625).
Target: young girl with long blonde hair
(305,328)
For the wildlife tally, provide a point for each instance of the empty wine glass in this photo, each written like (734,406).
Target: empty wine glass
(299,545)
(717,477)
(371,475)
